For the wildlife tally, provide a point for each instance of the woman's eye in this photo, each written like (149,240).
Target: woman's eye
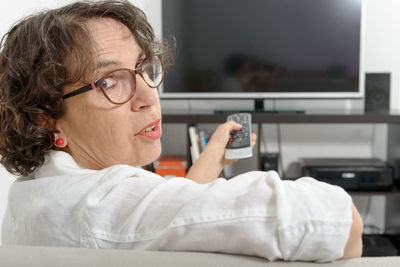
(106,83)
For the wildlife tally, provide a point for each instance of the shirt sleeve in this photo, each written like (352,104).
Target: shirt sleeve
(252,214)
(314,220)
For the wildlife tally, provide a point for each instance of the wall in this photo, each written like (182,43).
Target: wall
(380,52)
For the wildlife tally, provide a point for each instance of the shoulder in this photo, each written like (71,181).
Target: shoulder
(59,163)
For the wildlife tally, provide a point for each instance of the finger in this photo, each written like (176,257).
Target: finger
(234,126)
(253,139)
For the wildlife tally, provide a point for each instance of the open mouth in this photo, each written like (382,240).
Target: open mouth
(152,130)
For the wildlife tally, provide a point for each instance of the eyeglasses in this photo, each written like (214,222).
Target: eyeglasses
(119,86)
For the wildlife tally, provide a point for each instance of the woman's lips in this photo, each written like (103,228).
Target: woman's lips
(152,131)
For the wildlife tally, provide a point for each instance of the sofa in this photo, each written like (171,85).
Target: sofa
(21,256)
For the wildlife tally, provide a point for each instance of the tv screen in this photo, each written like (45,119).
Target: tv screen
(263,48)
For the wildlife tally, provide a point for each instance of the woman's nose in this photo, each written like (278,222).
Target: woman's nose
(145,96)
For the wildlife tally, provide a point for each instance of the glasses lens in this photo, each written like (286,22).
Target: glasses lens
(152,71)
(118,85)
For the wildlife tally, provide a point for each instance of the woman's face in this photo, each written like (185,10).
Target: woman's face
(98,133)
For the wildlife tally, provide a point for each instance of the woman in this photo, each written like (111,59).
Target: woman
(80,112)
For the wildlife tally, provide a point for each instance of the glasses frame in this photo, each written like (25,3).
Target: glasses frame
(133,73)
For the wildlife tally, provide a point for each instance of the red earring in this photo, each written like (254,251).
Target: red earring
(60,142)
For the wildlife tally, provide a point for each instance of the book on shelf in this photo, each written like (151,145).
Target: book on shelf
(198,142)
(170,166)
(203,139)
(194,143)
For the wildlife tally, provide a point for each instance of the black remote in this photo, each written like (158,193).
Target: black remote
(239,145)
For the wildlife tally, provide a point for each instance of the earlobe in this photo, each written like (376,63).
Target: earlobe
(60,143)
(59,137)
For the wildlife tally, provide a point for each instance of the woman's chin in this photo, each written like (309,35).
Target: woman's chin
(148,159)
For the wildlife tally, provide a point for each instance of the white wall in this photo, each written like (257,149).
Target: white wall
(382,42)
(380,53)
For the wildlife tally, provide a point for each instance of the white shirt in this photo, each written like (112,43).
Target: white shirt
(255,213)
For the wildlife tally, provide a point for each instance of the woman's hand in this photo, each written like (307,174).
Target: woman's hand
(353,247)
(212,160)
(221,137)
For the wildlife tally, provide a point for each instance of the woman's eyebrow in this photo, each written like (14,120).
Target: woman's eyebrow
(107,63)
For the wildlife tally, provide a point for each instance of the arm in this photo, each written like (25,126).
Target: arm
(255,213)
(212,160)
(353,247)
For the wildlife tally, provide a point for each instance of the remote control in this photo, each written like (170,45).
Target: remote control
(239,145)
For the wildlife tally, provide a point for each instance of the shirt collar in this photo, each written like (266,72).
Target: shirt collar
(60,163)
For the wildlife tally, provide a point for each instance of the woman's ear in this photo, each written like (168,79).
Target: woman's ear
(60,140)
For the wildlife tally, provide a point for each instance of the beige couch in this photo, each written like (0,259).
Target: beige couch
(13,256)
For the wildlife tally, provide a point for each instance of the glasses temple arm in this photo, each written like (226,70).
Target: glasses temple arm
(78,91)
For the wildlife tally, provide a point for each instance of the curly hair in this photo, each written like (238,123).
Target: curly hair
(41,55)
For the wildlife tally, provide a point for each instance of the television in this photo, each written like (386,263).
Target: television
(263,49)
